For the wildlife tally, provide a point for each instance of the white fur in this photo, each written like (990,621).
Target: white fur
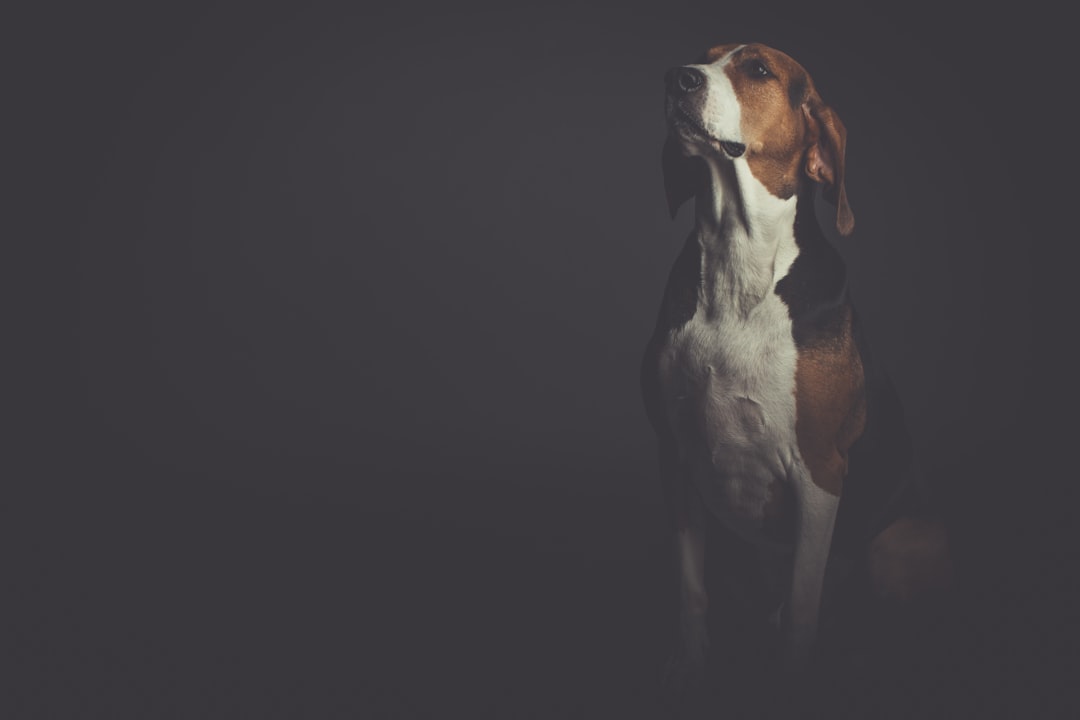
(721,392)
(721,115)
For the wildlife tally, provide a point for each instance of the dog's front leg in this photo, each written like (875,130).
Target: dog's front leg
(687,661)
(815,516)
(693,600)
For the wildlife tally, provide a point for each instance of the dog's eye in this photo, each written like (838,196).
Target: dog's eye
(756,68)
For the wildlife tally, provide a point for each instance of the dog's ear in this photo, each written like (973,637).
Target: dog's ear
(683,175)
(825,158)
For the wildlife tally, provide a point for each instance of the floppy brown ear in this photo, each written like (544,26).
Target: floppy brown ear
(683,175)
(825,159)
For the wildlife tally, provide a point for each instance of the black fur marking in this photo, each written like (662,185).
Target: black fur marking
(815,288)
(681,293)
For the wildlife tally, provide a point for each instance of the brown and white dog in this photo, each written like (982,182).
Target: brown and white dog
(768,409)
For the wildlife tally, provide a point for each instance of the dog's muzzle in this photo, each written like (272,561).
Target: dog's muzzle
(685,81)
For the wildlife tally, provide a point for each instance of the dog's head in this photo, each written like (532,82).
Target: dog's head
(753,104)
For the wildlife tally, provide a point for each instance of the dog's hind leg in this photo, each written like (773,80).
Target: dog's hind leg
(910,562)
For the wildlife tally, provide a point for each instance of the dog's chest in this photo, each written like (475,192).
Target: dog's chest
(729,386)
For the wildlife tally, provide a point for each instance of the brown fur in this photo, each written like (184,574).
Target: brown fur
(830,407)
(774,131)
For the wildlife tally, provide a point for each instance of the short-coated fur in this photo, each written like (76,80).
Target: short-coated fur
(770,412)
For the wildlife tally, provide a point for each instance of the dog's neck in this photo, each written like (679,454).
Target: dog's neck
(746,236)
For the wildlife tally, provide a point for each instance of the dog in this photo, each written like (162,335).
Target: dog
(770,413)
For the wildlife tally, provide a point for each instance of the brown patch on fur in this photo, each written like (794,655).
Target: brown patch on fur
(830,404)
(909,561)
(788,130)
(774,127)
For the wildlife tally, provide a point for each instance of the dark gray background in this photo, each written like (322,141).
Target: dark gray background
(360,299)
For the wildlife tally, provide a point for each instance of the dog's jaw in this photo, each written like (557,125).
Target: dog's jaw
(689,130)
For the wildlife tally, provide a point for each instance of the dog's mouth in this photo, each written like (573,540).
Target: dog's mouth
(730,147)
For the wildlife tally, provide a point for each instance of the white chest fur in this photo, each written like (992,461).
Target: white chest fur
(729,381)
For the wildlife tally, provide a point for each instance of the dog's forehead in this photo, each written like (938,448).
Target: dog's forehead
(776,59)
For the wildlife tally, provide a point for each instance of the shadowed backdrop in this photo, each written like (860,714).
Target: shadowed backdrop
(361,297)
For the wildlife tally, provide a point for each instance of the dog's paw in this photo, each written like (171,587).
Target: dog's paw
(681,682)
(790,670)
(684,669)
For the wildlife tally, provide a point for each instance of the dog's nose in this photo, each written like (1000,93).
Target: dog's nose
(684,80)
